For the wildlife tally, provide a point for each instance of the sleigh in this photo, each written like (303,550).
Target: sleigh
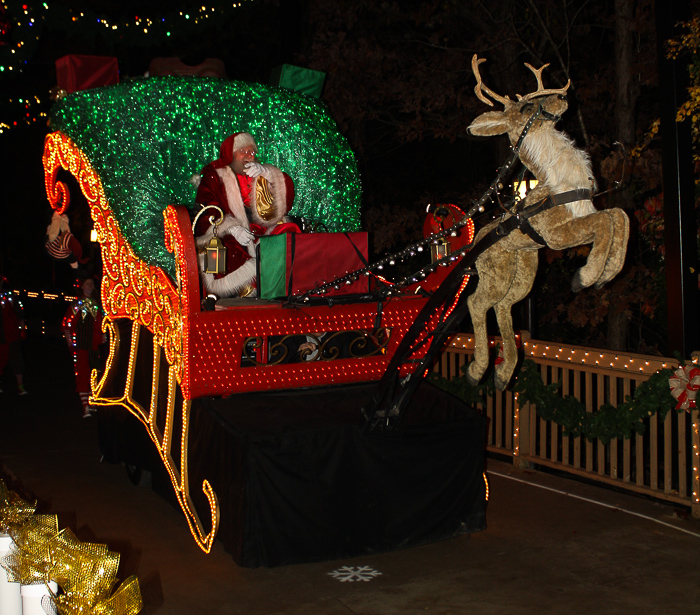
(313,431)
(173,364)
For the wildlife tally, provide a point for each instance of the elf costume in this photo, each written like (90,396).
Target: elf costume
(12,332)
(82,327)
(61,243)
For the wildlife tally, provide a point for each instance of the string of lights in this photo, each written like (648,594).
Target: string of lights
(22,25)
(409,252)
(491,194)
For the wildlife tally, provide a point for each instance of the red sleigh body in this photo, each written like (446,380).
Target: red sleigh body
(166,352)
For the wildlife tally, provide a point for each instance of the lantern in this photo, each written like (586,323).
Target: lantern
(216,256)
(439,249)
(215,261)
(524,186)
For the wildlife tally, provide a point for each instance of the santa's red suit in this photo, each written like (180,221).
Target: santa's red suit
(252,206)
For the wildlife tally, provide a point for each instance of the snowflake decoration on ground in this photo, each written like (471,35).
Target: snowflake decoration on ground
(352,574)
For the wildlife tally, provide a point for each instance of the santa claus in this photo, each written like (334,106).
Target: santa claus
(255,199)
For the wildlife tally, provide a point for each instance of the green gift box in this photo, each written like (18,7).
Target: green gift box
(303,80)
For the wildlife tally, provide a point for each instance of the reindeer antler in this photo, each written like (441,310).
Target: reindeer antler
(480,87)
(541,91)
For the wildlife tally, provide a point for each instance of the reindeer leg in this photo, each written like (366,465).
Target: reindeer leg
(618,249)
(479,303)
(494,269)
(478,306)
(505,276)
(591,272)
(504,371)
(595,228)
(523,279)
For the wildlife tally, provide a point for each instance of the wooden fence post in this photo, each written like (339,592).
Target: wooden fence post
(521,433)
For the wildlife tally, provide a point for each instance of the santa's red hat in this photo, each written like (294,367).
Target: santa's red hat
(238,140)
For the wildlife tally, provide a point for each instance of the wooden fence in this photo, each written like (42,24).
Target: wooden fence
(663,462)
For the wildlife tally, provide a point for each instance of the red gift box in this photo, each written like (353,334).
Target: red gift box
(76,72)
(293,263)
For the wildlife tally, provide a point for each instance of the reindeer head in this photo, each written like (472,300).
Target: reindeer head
(516,113)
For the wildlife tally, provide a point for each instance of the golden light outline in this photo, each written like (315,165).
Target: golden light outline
(144,294)
(162,441)
(130,287)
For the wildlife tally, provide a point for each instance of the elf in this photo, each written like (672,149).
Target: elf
(61,244)
(82,328)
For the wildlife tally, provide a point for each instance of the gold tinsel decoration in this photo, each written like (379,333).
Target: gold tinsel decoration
(29,561)
(14,511)
(86,572)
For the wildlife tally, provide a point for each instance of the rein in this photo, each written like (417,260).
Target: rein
(550,117)
(507,226)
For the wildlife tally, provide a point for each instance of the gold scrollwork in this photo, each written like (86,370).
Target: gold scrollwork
(163,440)
(309,347)
(96,387)
(130,287)
(370,344)
(143,293)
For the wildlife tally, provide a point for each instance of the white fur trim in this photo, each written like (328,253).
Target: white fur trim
(244,139)
(223,230)
(232,283)
(233,195)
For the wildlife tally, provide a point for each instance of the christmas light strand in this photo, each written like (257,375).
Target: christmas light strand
(392,288)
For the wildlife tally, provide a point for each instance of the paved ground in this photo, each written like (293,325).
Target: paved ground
(550,545)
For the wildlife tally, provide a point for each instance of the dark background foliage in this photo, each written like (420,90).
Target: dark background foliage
(400,86)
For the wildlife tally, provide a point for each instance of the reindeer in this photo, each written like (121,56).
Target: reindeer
(558,213)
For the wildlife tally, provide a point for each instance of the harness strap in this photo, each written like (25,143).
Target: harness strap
(581,194)
(526,228)
(571,196)
(521,221)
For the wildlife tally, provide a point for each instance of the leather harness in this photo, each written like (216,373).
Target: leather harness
(521,220)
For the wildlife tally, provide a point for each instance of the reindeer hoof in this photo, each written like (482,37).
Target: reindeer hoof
(473,378)
(576,283)
(502,375)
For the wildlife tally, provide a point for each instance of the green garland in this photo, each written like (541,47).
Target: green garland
(609,422)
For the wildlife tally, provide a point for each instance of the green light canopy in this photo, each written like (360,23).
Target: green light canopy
(147,137)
